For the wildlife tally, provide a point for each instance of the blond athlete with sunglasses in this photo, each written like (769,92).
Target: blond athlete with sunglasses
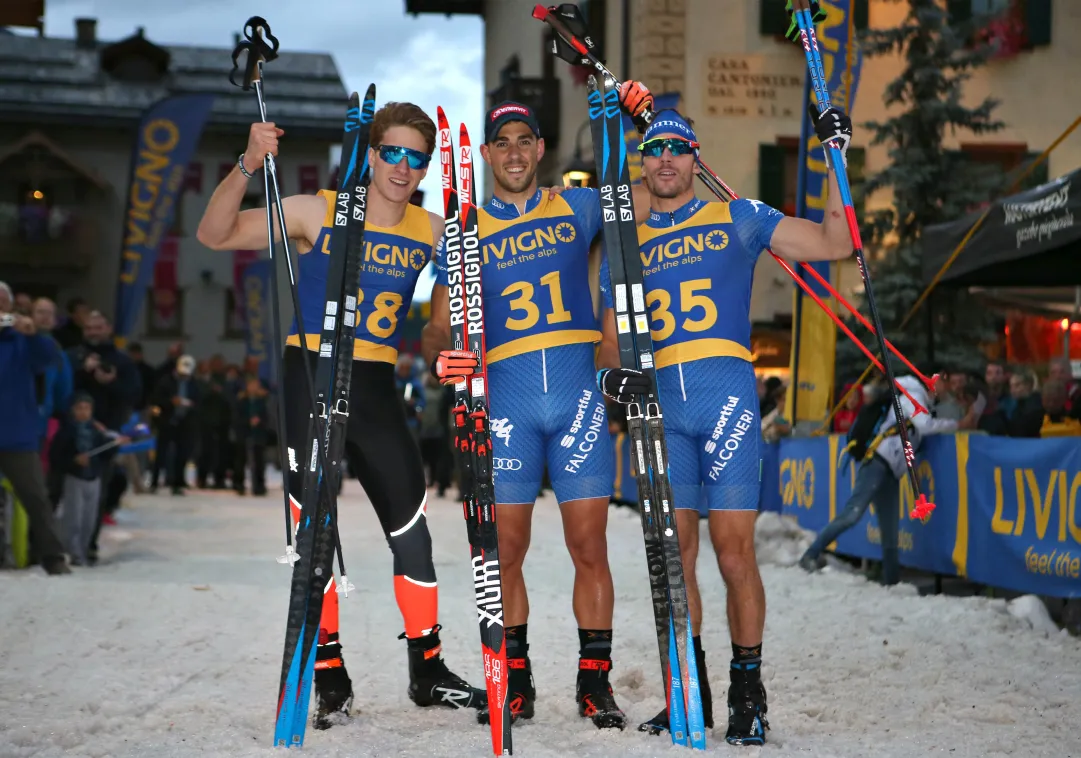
(398,242)
(698,261)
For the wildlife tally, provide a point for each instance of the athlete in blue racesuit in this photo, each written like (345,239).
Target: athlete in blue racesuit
(698,262)
(541,329)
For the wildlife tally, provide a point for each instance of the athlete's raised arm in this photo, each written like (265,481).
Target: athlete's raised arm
(225,227)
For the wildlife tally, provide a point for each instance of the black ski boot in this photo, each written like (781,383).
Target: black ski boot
(432,683)
(521,692)
(747,723)
(594,695)
(333,688)
(659,723)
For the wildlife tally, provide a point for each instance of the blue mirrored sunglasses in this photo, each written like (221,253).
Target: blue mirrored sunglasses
(654,148)
(393,155)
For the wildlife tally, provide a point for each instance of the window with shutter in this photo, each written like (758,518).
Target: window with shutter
(857,179)
(773,19)
(860,13)
(1038,22)
(771,160)
(959,10)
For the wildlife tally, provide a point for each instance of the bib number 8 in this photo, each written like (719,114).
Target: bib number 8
(385,311)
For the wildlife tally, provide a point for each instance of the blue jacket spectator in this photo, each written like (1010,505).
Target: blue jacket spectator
(59,384)
(21,358)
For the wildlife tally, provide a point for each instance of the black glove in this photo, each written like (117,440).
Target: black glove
(832,125)
(623,384)
(817,17)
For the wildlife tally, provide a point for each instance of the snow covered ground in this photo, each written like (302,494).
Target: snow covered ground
(172,647)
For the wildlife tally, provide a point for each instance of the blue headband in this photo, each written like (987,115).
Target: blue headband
(669,122)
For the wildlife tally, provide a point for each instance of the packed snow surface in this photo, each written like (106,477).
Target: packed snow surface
(172,647)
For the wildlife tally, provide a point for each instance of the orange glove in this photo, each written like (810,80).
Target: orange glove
(452,365)
(635,99)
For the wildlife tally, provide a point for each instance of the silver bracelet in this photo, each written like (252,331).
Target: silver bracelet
(240,162)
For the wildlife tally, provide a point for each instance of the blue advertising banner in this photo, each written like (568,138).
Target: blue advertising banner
(257,312)
(807,478)
(167,137)
(1019,505)
(929,546)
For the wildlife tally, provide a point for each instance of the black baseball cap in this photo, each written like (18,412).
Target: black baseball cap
(504,113)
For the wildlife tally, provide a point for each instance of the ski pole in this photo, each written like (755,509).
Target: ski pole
(843,327)
(713,182)
(116,442)
(922,508)
(262,47)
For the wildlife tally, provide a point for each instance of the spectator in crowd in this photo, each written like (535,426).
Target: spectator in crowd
(24,304)
(998,386)
(176,396)
(769,401)
(875,446)
(148,375)
(215,456)
(435,421)
(250,430)
(71,333)
(1026,417)
(410,391)
(842,420)
(81,493)
(1057,420)
(1060,370)
(106,373)
(949,387)
(57,380)
(776,424)
(23,354)
(168,366)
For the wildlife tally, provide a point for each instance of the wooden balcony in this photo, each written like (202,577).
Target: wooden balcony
(38,238)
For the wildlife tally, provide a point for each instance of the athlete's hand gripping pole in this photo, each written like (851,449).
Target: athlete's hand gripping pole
(835,152)
(261,46)
(572,44)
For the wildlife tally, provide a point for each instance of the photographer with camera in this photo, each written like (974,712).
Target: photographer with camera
(109,376)
(24,354)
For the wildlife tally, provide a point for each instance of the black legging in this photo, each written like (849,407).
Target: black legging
(381,449)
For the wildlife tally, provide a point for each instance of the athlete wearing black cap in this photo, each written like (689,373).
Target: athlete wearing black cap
(546,409)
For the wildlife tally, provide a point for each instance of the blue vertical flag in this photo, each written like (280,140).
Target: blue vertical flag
(814,337)
(257,314)
(167,137)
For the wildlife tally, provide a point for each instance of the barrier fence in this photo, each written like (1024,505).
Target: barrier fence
(1006,516)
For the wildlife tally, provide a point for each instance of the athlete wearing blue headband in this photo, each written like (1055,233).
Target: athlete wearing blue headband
(698,262)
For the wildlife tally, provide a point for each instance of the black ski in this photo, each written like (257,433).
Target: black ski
(317,524)
(671,611)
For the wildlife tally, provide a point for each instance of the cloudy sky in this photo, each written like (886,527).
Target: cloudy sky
(428,59)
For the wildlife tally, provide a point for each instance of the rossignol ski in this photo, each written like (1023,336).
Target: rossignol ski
(316,527)
(671,611)
(472,441)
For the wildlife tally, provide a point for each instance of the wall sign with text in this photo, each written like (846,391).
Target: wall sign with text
(756,86)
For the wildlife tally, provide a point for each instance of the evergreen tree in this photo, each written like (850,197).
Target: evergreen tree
(930,185)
